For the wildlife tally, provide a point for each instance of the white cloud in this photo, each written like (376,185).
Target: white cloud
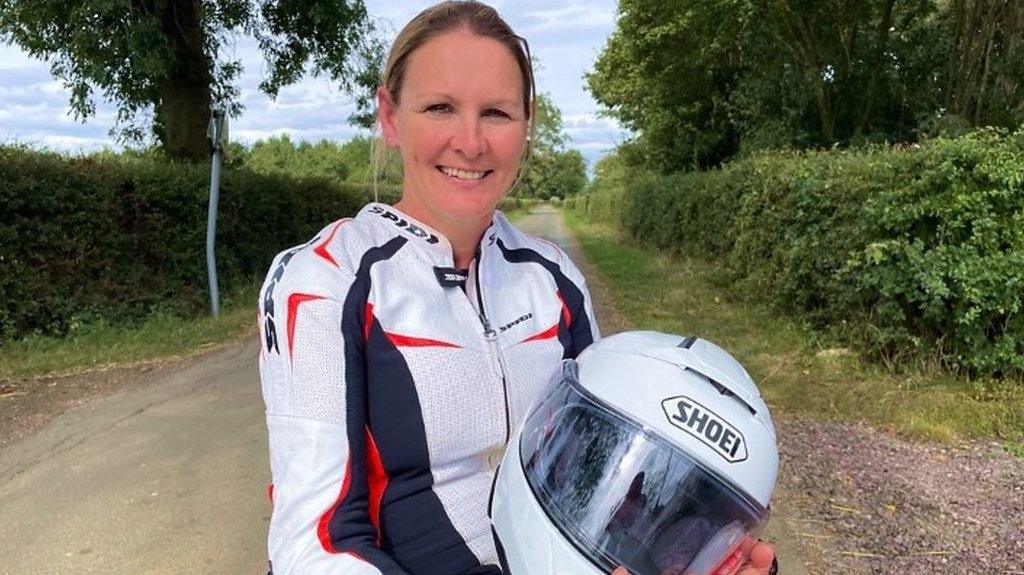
(63,143)
(12,58)
(544,16)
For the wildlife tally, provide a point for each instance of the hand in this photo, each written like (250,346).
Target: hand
(759,561)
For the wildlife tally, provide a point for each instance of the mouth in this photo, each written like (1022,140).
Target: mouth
(465,175)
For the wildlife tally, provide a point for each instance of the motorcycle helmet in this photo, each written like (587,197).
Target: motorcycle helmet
(652,451)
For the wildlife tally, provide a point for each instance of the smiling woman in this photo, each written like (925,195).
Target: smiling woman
(460,122)
(457,100)
(402,347)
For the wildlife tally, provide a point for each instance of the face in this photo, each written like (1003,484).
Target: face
(460,126)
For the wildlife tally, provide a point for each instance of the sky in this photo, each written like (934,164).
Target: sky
(565,36)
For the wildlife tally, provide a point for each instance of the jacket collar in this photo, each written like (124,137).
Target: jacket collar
(423,238)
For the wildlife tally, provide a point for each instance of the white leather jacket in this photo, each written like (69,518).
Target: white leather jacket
(392,382)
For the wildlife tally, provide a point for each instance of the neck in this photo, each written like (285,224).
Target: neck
(464,248)
(463,236)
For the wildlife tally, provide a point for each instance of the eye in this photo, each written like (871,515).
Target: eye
(496,113)
(439,108)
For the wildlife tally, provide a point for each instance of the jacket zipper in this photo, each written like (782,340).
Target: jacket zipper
(492,343)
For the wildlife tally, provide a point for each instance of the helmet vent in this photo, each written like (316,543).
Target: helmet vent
(688,342)
(723,390)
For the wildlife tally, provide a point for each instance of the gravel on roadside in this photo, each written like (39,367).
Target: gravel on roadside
(876,503)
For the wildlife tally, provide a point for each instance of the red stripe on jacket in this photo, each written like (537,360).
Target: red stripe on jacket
(377,478)
(549,333)
(321,249)
(566,316)
(552,332)
(294,301)
(321,529)
(367,321)
(408,341)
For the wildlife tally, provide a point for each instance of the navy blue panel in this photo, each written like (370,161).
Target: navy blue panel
(501,551)
(483,570)
(577,336)
(417,531)
(350,528)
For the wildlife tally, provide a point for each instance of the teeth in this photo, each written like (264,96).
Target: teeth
(462,174)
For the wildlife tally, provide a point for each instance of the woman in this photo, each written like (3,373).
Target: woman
(402,346)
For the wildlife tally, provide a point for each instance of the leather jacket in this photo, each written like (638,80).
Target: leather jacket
(392,382)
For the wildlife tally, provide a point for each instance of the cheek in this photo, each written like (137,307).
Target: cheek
(421,143)
(510,145)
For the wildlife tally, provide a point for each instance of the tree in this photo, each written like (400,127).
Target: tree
(551,170)
(278,154)
(987,67)
(554,174)
(164,62)
(548,121)
(567,175)
(841,62)
(667,72)
(357,153)
(699,81)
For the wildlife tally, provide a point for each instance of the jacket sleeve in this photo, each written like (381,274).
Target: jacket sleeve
(312,371)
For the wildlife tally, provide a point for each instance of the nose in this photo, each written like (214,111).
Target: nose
(469,137)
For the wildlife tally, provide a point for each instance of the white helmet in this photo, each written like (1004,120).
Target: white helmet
(653,451)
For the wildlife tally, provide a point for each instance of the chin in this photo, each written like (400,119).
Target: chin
(469,206)
(472,212)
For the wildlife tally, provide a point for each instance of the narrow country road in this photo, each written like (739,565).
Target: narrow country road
(167,478)
(170,476)
(546,222)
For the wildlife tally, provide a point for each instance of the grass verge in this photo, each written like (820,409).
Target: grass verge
(797,376)
(158,336)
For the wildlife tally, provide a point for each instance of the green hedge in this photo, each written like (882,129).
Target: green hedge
(109,238)
(911,254)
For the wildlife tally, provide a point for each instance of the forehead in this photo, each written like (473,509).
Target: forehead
(463,65)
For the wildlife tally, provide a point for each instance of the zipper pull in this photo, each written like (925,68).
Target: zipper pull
(489,333)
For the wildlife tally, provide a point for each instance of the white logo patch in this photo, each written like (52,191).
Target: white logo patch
(405,225)
(706,426)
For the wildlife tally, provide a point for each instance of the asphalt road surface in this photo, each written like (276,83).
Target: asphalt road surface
(171,476)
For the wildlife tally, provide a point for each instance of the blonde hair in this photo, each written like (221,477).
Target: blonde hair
(448,16)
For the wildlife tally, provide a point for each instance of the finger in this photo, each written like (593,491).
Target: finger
(620,571)
(761,556)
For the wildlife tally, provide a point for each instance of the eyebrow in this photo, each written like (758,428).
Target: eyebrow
(443,95)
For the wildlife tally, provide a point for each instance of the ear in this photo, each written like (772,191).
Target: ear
(386,113)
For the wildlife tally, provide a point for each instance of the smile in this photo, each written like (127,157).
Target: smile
(462,174)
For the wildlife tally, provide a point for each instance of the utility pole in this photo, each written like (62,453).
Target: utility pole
(218,135)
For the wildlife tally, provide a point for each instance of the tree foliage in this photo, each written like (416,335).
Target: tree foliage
(909,254)
(666,72)
(699,81)
(280,155)
(986,72)
(552,171)
(351,161)
(164,62)
(557,174)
